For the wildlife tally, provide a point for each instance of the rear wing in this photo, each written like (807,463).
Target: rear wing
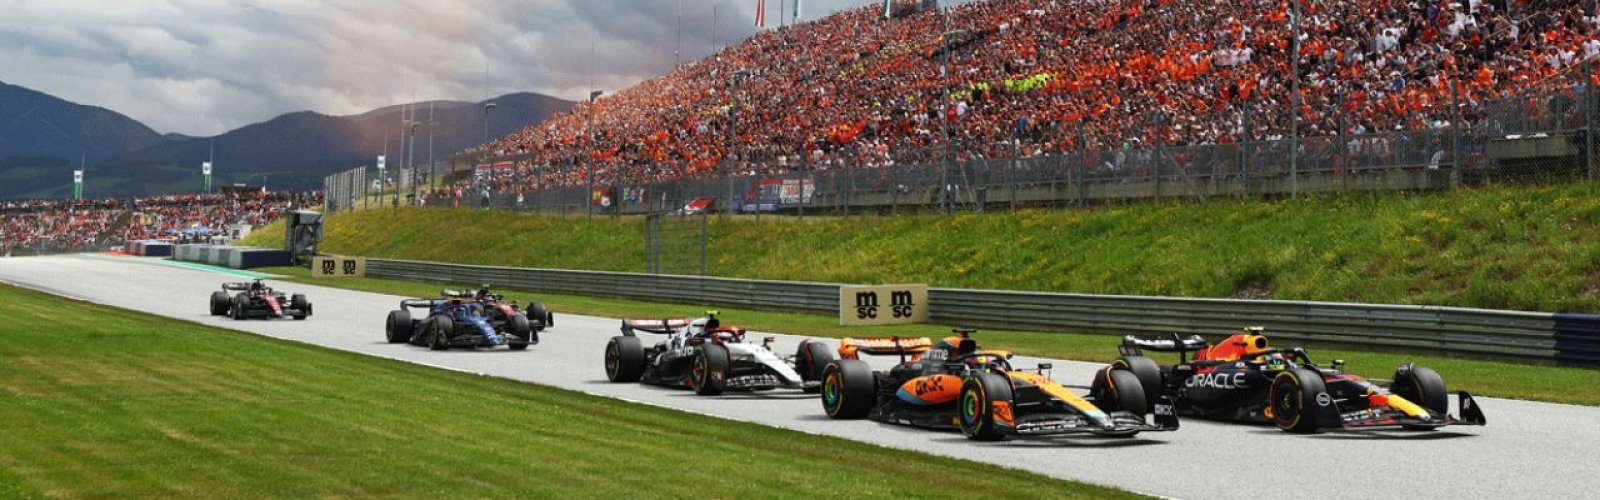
(416,303)
(238,286)
(1134,345)
(853,347)
(660,326)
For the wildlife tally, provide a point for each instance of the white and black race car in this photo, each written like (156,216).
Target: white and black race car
(703,355)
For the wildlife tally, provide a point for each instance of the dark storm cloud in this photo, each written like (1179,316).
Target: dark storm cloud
(203,67)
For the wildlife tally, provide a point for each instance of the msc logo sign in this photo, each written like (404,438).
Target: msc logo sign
(883,305)
(334,266)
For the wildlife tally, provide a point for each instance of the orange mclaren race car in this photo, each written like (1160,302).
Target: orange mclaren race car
(952,384)
(1243,378)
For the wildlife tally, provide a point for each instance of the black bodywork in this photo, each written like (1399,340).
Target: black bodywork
(1286,383)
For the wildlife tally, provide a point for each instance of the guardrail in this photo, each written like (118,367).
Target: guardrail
(1561,338)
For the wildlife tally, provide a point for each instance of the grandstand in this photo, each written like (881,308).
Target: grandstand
(51,226)
(1023,79)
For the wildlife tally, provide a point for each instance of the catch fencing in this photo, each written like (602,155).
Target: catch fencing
(1537,136)
(1572,339)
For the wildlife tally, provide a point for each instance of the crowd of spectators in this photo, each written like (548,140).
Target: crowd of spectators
(1031,77)
(68,225)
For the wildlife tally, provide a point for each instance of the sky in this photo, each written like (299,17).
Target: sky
(203,67)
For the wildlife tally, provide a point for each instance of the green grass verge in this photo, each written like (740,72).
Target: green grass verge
(104,402)
(1518,247)
(1481,377)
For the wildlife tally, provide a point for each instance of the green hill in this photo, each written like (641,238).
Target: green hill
(1521,247)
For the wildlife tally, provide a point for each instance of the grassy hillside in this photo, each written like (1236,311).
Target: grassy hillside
(109,403)
(1533,248)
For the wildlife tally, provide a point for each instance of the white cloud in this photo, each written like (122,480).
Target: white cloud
(205,67)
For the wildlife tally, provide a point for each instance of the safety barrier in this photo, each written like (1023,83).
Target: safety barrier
(1562,338)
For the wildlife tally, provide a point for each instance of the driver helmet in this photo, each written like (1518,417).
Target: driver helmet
(985,362)
(698,326)
(256,285)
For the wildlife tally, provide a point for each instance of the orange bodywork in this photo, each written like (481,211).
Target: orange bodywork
(853,347)
(1236,347)
(933,389)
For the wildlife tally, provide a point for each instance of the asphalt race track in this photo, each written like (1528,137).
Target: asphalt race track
(1528,450)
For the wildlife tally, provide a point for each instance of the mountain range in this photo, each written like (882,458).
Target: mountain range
(43,138)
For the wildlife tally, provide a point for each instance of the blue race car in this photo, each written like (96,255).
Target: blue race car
(457,320)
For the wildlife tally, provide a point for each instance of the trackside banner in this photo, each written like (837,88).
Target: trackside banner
(883,305)
(335,266)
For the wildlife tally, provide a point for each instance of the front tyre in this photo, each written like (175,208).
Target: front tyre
(1146,371)
(520,327)
(849,389)
(439,330)
(985,402)
(1423,386)
(709,371)
(1292,398)
(1119,390)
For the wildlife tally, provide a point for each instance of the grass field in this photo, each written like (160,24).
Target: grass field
(103,402)
(1520,247)
(1483,378)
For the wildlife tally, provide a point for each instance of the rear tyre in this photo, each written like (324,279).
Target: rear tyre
(811,360)
(1146,371)
(219,303)
(439,330)
(521,328)
(397,329)
(1293,399)
(1119,390)
(849,389)
(624,359)
(1423,386)
(709,371)
(985,401)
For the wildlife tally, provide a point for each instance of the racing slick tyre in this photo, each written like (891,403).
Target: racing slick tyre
(397,329)
(624,359)
(299,303)
(849,389)
(1291,399)
(1423,386)
(219,303)
(240,302)
(709,371)
(537,311)
(979,396)
(810,360)
(1119,390)
(1148,373)
(439,330)
(520,327)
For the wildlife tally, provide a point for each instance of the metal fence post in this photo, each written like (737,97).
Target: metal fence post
(1589,99)
(703,240)
(1455,133)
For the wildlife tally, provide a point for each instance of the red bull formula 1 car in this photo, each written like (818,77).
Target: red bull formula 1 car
(257,300)
(1243,378)
(704,355)
(952,384)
